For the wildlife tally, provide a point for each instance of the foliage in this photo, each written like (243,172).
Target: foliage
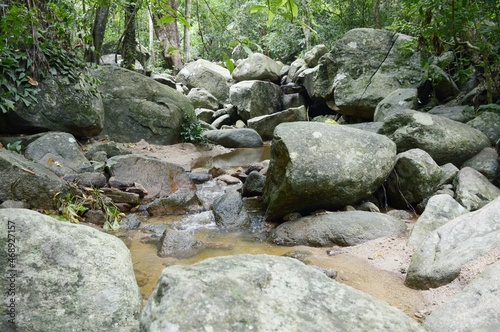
(192,131)
(72,207)
(15,147)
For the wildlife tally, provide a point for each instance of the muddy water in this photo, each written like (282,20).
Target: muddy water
(352,270)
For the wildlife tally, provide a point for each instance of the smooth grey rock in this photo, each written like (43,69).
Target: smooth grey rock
(415,177)
(296,69)
(201,98)
(253,185)
(206,75)
(338,228)
(159,178)
(65,280)
(164,78)
(322,166)
(373,127)
(204,114)
(473,190)
(397,100)
(478,304)
(486,163)
(293,100)
(455,113)
(182,201)
(256,98)
(313,55)
(179,244)
(58,152)
(439,210)
(234,138)
(87,179)
(257,67)
(448,171)
(60,106)
(229,211)
(110,149)
(266,124)
(27,181)
(263,293)
(220,121)
(489,124)
(440,257)
(131,221)
(137,107)
(445,140)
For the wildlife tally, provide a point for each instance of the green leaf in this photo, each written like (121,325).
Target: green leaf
(166,19)
(256,8)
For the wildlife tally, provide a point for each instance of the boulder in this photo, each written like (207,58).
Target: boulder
(440,257)
(229,211)
(473,190)
(296,69)
(234,138)
(179,244)
(477,304)
(137,107)
(397,100)
(313,55)
(362,68)
(442,84)
(256,98)
(182,201)
(489,124)
(439,210)
(58,152)
(257,67)
(204,114)
(455,113)
(68,277)
(265,124)
(414,177)
(206,75)
(338,228)
(486,163)
(160,179)
(323,166)
(263,293)
(201,98)
(445,140)
(60,106)
(254,185)
(24,180)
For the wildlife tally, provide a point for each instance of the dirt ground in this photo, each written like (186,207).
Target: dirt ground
(377,267)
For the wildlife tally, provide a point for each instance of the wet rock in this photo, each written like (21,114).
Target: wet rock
(254,185)
(27,181)
(445,140)
(257,67)
(156,230)
(234,138)
(322,166)
(473,190)
(440,257)
(415,177)
(179,244)
(486,163)
(439,210)
(337,228)
(266,124)
(58,152)
(263,293)
(477,304)
(182,201)
(66,270)
(256,98)
(229,211)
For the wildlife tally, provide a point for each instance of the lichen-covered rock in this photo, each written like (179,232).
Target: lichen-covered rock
(256,98)
(257,67)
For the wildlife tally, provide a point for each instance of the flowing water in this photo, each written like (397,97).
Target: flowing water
(352,270)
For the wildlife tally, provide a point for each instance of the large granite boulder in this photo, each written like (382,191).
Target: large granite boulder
(440,257)
(265,124)
(67,277)
(473,190)
(414,177)
(396,101)
(486,163)
(24,180)
(447,141)
(324,166)
(362,68)
(478,304)
(206,75)
(60,106)
(59,152)
(338,228)
(234,138)
(257,67)
(256,98)
(263,293)
(489,124)
(138,107)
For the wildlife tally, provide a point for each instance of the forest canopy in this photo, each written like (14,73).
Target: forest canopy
(49,37)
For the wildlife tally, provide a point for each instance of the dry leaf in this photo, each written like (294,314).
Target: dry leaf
(50,161)
(32,81)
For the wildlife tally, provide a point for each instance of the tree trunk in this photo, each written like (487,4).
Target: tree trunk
(98,30)
(376,14)
(187,37)
(129,41)
(168,35)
